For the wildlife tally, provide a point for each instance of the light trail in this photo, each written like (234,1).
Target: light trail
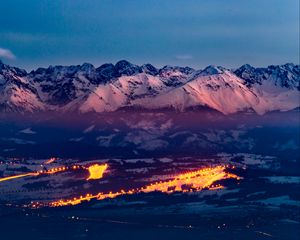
(18,176)
(41,172)
(97,171)
(51,160)
(191,181)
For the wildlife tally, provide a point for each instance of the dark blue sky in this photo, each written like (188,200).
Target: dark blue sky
(177,32)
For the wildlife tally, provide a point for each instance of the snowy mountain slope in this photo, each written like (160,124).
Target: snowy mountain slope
(124,91)
(213,87)
(276,86)
(84,88)
(175,76)
(60,85)
(16,93)
(145,82)
(284,76)
(104,98)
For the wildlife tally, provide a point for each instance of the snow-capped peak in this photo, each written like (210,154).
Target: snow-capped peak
(212,70)
(124,67)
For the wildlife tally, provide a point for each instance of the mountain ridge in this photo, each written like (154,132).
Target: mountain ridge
(86,88)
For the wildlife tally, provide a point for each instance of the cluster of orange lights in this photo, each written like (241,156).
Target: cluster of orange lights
(187,182)
(96,171)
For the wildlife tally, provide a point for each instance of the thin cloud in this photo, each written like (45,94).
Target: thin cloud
(6,53)
(23,37)
(184,57)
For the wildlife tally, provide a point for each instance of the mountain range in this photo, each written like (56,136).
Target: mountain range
(85,88)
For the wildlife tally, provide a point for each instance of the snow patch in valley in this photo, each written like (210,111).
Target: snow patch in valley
(27,131)
(283,179)
(89,129)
